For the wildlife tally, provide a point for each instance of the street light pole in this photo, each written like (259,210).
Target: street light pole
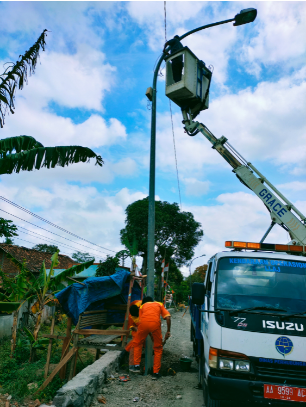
(244,17)
(190,269)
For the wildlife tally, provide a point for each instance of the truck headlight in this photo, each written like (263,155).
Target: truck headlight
(226,364)
(242,366)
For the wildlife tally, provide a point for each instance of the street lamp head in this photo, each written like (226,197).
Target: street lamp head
(245,16)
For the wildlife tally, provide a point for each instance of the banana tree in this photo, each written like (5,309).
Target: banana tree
(47,285)
(15,292)
(31,342)
(26,287)
(16,75)
(132,250)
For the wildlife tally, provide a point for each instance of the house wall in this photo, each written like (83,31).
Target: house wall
(6,321)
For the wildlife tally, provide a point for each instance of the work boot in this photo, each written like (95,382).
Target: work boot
(156,376)
(134,369)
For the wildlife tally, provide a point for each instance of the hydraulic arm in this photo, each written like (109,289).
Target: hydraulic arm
(282,211)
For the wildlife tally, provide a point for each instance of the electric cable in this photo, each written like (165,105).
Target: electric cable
(52,224)
(177,173)
(62,237)
(34,243)
(50,240)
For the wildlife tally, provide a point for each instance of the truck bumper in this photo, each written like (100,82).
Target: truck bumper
(236,390)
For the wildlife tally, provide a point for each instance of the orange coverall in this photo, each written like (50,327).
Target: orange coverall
(149,322)
(133,321)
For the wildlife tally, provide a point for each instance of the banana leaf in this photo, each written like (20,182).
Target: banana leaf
(70,272)
(17,74)
(9,306)
(48,157)
(18,144)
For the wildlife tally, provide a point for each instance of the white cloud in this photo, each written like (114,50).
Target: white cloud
(95,216)
(73,81)
(280,36)
(237,216)
(267,123)
(194,187)
(50,129)
(293,186)
(84,173)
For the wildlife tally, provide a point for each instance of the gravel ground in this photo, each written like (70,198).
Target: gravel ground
(178,390)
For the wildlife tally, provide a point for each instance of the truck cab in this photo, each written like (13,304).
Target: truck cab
(249,328)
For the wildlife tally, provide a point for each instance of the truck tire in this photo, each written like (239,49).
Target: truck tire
(207,400)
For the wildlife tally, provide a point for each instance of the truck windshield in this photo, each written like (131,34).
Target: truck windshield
(254,282)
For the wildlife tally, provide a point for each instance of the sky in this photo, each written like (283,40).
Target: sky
(89,89)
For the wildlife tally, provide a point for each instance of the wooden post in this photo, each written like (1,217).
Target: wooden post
(65,347)
(49,349)
(127,312)
(73,359)
(57,369)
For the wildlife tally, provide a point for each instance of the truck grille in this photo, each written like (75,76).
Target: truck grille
(281,373)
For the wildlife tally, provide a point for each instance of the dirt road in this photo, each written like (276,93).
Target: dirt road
(169,391)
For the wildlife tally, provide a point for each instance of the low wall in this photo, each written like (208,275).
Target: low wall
(6,321)
(84,387)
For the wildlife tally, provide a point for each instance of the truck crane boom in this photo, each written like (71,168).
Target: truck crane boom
(282,211)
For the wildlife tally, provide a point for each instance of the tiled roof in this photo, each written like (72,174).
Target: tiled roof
(35,258)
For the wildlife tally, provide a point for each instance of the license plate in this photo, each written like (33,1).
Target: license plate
(284,393)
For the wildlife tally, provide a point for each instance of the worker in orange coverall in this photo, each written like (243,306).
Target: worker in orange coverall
(149,323)
(133,322)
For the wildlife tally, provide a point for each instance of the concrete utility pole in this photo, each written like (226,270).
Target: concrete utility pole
(244,17)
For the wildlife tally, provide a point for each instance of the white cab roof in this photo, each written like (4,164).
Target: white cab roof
(258,254)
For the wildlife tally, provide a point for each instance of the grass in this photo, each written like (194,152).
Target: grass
(17,373)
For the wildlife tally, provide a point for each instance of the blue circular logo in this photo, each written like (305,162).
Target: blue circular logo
(284,345)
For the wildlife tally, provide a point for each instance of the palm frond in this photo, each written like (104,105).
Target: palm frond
(48,157)
(69,273)
(17,144)
(17,74)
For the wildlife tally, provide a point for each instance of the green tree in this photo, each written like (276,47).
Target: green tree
(176,233)
(107,267)
(46,248)
(7,229)
(198,276)
(80,257)
(123,255)
(8,240)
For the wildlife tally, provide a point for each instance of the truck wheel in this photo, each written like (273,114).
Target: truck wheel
(207,400)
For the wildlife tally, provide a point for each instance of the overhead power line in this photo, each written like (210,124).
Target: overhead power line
(50,240)
(52,224)
(177,173)
(33,224)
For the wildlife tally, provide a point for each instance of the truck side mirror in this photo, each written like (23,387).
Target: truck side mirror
(198,293)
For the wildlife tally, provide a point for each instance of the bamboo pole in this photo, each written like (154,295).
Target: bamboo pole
(65,347)
(49,348)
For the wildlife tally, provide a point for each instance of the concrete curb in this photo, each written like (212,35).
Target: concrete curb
(83,388)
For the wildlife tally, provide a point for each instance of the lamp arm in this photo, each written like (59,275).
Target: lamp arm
(205,26)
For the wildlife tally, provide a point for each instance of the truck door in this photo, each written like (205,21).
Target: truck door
(205,315)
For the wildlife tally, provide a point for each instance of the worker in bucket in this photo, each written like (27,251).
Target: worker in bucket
(133,323)
(149,323)
(177,63)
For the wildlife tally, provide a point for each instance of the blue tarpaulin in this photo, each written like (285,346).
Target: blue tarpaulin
(97,292)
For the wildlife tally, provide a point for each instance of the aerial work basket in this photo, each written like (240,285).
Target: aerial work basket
(188,81)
